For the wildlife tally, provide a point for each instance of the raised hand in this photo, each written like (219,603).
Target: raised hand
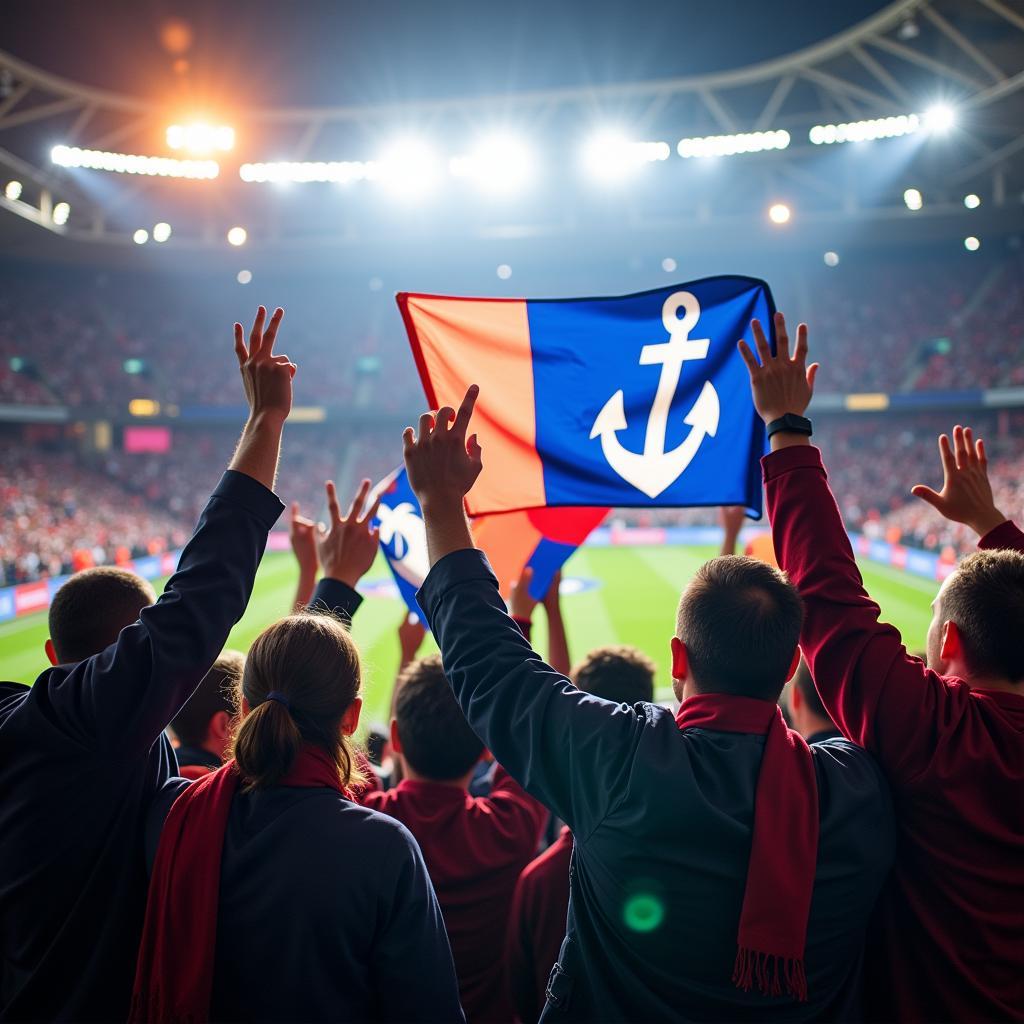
(347,547)
(411,634)
(301,533)
(441,462)
(966,495)
(267,378)
(520,603)
(780,383)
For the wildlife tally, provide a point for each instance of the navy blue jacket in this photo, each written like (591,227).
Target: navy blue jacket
(662,824)
(82,753)
(352,928)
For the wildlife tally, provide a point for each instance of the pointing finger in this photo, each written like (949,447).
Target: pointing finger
(240,350)
(466,409)
(763,348)
(332,502)
(748,356)
(256,334)
(359,500)
(271,335)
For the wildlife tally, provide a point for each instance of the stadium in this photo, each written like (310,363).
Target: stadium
(166,168)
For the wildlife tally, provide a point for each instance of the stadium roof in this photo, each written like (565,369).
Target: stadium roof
(967,55)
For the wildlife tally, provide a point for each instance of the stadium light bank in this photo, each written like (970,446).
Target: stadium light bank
(936,120)
(125,163)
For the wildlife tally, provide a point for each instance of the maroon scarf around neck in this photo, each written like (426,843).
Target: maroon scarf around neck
(174,973)
(784,846)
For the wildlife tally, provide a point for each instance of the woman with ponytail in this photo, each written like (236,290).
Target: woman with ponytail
(273,896)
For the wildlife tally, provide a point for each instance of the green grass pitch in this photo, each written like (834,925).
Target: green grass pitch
(633,603)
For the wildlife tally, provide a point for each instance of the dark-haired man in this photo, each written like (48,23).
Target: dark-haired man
(540,907)
(90,610)
(475,847)
(806,712)
(949,735)
(722,868)
(203,725)
(83,751)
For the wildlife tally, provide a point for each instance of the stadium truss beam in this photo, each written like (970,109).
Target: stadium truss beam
(967,52)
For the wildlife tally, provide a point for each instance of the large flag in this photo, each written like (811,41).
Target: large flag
(638,400)
(542,539)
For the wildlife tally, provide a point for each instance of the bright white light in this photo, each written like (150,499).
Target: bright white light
(61,212)
(971,201)
(612,157)
(141,237)
(504,271)
(244,276)
(939,118)
(408,169)
(201,138)
(13,190)
(912,197)
(498,165)
(831,259)
(864,131)
(730,145)
(972,244)
(340,172)
(237,236)
(161,231)
(668,265)
(124,163)
(779,213)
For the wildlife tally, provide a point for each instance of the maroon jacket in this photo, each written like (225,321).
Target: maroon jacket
(950,939)
(475,849)
(536,926)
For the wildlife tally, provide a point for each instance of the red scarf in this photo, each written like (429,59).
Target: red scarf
(174,973)
(784,846)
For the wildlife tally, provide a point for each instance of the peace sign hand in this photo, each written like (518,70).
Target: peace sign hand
(267,378)
(347,549)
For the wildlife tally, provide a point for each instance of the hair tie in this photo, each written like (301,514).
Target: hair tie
(280,698)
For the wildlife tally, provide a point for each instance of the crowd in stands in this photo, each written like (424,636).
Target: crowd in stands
(534,839)
(941,324)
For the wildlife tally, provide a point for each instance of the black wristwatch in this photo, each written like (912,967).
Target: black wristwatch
(791,424)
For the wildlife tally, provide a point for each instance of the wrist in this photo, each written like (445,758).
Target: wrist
(443,506)
(266,419)
(986,523)
(787,439)
(343,574)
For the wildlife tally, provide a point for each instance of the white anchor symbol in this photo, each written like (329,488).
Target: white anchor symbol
(656,468)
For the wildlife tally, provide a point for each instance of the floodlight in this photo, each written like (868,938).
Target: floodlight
(161,231)
(13,190)
(61,212)
(779,213)
(610,156)
(972,244)
(939,118)
(201,138)
(912,197)
(126,163)
(668,265)
(408,169)
(831,259)
(497,164)
(244,276)
(141,237)
(971,201)
(730,145)
(504,271)
(237,236)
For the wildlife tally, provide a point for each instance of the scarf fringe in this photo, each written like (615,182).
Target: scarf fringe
(770,973)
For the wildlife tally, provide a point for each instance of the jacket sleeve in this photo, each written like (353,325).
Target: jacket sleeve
(880,697)
(413,971)
(337,598)
(569,749)
(121,699)
(1006,536)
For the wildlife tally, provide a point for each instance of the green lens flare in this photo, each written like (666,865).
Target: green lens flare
(643,912)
